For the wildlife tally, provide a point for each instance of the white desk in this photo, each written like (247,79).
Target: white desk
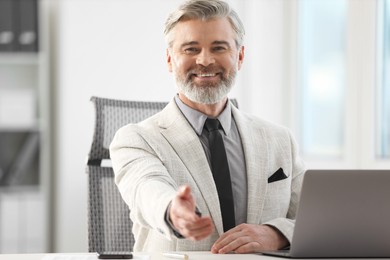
(153,256)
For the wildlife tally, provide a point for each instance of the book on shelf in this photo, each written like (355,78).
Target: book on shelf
(7,26)
(22,164)
(18,25)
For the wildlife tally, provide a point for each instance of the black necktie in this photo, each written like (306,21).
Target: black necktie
(221,174)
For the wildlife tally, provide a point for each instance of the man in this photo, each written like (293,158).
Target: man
(169,168)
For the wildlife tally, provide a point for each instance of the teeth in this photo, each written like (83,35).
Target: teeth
(207,75)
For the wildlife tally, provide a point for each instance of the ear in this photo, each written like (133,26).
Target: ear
(169,60)
(241,54)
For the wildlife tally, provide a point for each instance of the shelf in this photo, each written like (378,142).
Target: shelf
(19,189)
(19,129)
(19,58)
(25,154)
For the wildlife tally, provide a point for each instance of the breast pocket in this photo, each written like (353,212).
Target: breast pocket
(277,199)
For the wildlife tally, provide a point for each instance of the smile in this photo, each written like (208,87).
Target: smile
(205,75)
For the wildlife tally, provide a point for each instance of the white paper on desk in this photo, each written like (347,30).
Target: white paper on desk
(84,257)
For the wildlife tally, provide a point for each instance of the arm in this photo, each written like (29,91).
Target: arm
(142,179)
(149,190)
(285,225)
(272,234)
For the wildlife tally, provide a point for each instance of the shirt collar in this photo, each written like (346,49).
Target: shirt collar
(197,119)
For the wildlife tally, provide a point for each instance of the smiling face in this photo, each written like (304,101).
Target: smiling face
(204,59)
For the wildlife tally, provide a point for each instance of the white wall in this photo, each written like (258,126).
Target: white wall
(116,49)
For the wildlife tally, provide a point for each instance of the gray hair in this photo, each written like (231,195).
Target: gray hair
(205,10)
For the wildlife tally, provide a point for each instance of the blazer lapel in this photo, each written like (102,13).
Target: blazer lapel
(255,152)
(183,139)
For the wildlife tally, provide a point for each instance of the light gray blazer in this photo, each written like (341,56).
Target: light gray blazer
(153,158)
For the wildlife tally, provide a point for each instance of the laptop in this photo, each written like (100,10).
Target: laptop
(342,213)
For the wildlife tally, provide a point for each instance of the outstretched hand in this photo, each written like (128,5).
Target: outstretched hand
(185,220)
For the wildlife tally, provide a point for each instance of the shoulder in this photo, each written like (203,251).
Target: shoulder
(151,127)
(145,127)
(159,120)
(250,121)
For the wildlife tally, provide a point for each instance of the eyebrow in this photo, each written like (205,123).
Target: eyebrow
(189,44)
(192,43)
(221,43)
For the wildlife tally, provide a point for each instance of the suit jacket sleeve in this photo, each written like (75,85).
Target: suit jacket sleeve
(286,225)
(138,170)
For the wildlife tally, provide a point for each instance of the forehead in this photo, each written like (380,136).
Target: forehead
(203,32)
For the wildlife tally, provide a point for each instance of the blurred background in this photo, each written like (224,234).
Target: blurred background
(319,67)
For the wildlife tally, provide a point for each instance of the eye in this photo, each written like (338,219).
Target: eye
(191,50)
(219,48)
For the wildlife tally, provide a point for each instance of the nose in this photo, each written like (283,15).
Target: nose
(205,58)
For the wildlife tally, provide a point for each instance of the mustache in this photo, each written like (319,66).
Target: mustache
(204,70)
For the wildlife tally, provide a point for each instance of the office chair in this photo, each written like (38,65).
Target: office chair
(109,224)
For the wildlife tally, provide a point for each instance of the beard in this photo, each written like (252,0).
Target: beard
(208,93)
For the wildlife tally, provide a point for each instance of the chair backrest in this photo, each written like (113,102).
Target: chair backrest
(109,224)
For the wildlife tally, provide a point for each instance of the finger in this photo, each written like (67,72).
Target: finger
(200,232)
(183,205)
(200,224)
(234,244)
(194,227)
(185,196)
(229,233)
(204,233)
(184,213)
(189,224)
(226,238)
(185,192)
(248,248)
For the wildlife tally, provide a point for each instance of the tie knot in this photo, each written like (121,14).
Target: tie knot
(212,124)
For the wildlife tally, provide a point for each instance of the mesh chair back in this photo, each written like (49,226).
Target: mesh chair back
(109,224)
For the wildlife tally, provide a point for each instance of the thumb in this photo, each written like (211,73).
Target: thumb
(185,192)
(186,197)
